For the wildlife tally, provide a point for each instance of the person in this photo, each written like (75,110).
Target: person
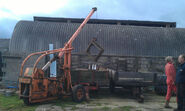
(170,72)
(180,81)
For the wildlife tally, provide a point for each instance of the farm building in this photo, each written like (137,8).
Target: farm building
(134,46)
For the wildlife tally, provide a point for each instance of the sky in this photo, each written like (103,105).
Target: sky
(12,11)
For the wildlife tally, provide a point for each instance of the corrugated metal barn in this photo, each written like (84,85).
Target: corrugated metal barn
(30,36)
(133,45)
(4,45)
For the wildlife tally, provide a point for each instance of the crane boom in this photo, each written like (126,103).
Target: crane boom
(77,32)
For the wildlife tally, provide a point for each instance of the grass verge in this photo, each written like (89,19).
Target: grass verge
(13,103)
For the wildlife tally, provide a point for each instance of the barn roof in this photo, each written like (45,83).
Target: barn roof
(30,36)
(108,21)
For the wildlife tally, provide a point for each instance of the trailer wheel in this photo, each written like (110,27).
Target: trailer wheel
(112,86)
(161,90)
(161,80)
(26,93)
(140,98)
(78,93)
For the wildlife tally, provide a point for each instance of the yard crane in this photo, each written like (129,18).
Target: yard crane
(35,87)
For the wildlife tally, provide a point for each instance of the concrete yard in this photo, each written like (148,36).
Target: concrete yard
(111,102)
(121,100)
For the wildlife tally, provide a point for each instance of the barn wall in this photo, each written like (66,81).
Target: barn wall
(11,67)
(124,63)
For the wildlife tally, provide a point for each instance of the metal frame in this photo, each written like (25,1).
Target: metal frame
(65,51)
(93,43)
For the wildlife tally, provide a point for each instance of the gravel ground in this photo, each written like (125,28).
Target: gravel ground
(120,101)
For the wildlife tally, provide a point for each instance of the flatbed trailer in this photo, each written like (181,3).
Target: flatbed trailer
(92,77)
(135,81)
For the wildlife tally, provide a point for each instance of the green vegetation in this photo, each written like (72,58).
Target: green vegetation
(13,103)
(95,109)
(66,102)
(105,108)
(74,108)
(116,109)
(124,108)
(98,104)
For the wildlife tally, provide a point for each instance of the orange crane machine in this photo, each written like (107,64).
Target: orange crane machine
(35,87)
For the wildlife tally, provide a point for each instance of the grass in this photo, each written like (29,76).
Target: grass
(66,102)
(98,104)
(95,109)
(13,103)
(105,108)
(74,108)
(126,108)
(116,109)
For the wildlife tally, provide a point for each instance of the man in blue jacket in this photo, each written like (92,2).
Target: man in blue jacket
(180,81)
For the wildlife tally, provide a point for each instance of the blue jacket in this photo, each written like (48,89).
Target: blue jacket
(180,76)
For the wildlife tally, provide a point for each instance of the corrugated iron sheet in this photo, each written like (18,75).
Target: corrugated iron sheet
(29,36)
(4,43)
(108,21)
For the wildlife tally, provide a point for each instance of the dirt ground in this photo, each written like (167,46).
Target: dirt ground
(119,101)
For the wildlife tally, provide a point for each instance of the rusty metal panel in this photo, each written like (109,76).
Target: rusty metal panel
(90,76)
(29,36)
(25,80)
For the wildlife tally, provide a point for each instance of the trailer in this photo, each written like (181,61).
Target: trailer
(135,81)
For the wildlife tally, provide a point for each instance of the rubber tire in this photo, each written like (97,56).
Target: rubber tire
(74,96)
(112,86)
(26,93)
(161,80)
(140,100)
(161,90)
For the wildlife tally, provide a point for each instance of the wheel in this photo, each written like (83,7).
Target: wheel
(138,94)
(78,93)
(140,98)
(161,90)
(112,86)
(161,80)
(26,93)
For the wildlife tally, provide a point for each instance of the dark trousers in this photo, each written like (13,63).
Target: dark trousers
(181,96)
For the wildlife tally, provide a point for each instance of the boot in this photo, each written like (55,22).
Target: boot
(167,105)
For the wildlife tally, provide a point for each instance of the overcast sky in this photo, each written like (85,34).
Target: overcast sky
(11,11)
